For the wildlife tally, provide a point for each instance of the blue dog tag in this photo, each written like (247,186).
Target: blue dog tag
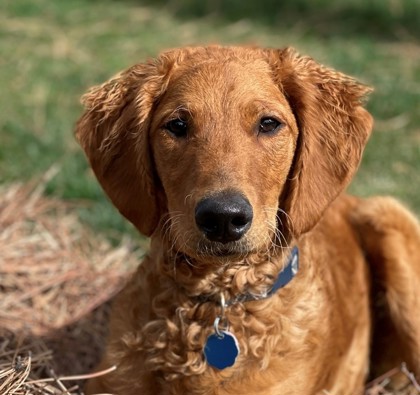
(221,350)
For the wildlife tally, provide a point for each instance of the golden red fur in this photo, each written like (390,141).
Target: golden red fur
(286,135)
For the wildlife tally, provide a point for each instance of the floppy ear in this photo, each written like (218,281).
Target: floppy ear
(333,131)
(113,131)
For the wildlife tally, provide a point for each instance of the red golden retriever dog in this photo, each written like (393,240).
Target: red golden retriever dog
(262,277)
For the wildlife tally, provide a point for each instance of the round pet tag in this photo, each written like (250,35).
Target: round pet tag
(221,350)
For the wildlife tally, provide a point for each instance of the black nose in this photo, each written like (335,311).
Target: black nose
(224,217)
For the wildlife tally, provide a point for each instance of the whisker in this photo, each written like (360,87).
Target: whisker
(189,196)
(169,223)
(288,218)
(278,237)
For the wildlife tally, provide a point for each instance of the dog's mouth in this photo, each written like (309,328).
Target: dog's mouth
(233,250)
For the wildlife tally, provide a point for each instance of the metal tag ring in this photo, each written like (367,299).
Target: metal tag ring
(222,304)
(217,322)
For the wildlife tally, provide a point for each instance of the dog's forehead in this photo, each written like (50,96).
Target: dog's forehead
(222,79)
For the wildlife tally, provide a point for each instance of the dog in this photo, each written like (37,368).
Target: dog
(263,276)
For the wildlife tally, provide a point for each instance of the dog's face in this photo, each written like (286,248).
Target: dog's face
(225,150)
(223,140)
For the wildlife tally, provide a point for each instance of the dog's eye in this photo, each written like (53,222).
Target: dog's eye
(177,127)
(269,125)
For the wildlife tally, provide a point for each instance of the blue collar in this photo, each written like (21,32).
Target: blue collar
(287,274)
(284,278)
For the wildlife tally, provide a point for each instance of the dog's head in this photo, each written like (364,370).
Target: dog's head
(221,149)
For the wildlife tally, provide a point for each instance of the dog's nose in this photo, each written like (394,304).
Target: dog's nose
(224,217)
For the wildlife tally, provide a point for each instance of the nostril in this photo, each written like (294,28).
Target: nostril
(241,219)
(207,222)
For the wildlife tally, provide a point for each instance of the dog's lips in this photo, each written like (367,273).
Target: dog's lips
(235,249)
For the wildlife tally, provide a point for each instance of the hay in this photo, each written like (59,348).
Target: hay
(397,381)
(56,281)
(56,278)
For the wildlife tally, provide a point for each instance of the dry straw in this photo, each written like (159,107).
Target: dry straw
(56,278)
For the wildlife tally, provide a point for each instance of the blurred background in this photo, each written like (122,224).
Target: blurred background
(52,51)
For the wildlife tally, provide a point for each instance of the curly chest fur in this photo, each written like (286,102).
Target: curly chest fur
(169,330)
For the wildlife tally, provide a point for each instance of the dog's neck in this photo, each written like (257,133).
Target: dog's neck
(253,274)
(186,302)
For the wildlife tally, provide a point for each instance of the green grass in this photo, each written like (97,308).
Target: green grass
(52,51)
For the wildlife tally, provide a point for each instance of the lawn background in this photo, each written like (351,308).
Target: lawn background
(51,51)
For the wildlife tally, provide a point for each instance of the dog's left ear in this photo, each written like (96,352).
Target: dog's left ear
(333,131)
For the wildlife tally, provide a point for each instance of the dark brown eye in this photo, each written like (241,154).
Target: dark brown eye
(177,127)
(269,125)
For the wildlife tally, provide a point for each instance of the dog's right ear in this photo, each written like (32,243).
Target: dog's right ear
(113,131)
